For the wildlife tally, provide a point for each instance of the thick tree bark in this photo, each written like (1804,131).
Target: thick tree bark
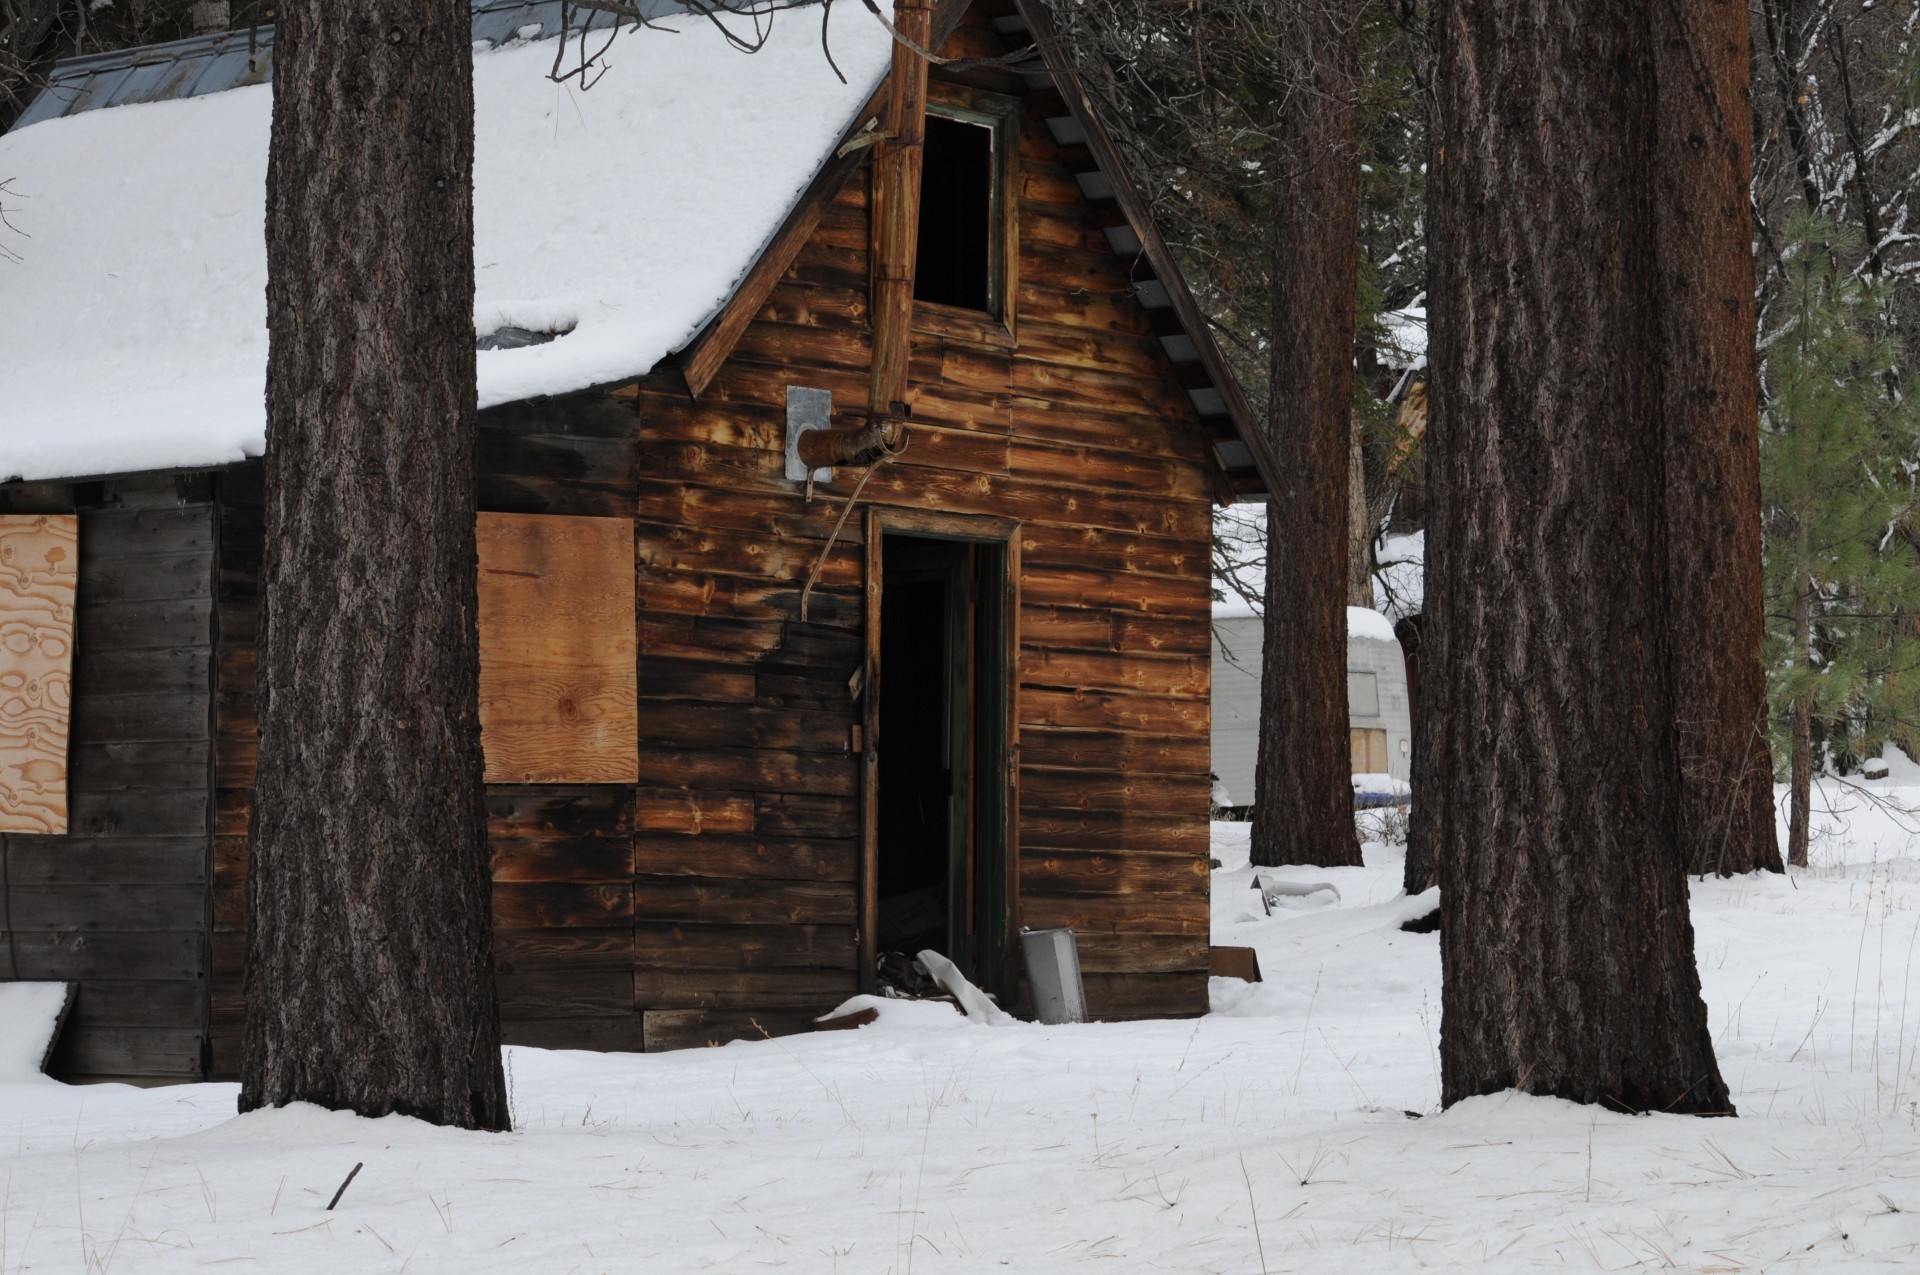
(1556,802)
(1303,797)
(369,981)
(1712,412)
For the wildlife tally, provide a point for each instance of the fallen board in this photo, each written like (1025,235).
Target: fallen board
(1234,962)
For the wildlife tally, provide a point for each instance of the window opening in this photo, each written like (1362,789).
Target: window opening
(1363,694)
(955,262)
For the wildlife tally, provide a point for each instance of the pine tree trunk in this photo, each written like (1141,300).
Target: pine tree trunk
(369,981)
(1712,411)
(1800,778)
(1303,795)
(1359,524)
(1566,945)
(1419,873)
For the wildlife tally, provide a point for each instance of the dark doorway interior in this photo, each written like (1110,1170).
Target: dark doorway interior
(939,858)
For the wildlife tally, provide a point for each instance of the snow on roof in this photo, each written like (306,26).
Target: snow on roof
(133,333)
(1363,622)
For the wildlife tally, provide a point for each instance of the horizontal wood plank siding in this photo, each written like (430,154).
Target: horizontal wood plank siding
(562,854)
(240,523)
(747,836)
(719,895)
(119,903)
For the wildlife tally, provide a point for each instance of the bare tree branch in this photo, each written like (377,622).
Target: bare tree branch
(588,67)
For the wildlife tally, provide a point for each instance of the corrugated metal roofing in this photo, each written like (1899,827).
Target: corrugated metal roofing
(232,59)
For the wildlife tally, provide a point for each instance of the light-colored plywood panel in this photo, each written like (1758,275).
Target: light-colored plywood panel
(38,556)
(1369,750)
(558,650)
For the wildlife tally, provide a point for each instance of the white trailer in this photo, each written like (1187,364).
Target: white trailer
(1380,738)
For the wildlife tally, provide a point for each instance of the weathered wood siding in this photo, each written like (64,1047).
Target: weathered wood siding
(563,874)
(240,517)
(748,822)
(719,896)
(119,903)
(557,657)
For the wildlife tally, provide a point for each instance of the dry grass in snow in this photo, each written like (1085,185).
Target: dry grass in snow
(1273,1135)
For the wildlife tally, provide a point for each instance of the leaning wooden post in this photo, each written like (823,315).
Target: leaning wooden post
(896,209)
(896,234)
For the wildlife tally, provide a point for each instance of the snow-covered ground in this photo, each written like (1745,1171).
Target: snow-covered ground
(1276,1134)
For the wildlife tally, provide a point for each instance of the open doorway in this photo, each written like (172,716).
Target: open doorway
(940,803)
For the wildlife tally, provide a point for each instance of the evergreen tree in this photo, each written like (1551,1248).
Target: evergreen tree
(1303,805)
(1198,97)
(1715,583)
(1837,464)
(1552,783)
(369,936)
(1837,133)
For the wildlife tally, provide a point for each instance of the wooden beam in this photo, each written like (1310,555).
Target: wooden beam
(700,359)
(896,209)
(866,936)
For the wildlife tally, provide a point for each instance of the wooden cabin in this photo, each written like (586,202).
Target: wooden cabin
(745,732)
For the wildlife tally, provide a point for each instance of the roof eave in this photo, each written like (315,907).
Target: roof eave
(1126,194)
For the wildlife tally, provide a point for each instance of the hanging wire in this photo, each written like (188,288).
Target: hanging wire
(813,577)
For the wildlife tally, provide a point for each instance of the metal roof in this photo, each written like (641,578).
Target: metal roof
(232,59)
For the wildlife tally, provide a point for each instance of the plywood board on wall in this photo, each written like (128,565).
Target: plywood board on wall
(558,651)
(1369,749)
(39,555)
